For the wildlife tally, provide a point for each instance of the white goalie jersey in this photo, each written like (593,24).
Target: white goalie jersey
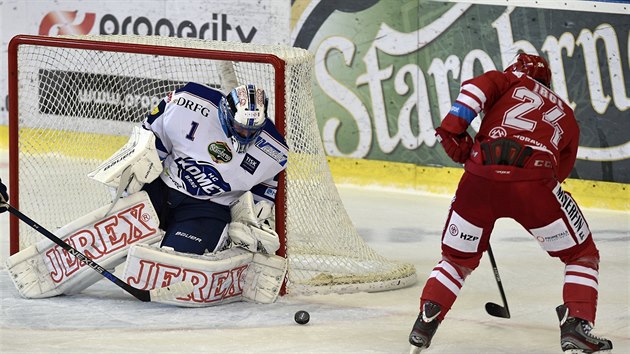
(199,158)
(185,142)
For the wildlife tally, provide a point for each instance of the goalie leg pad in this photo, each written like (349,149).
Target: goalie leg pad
(217,278)
(264,278)
(42,273)
(30,274)
(30,271)
(45,269)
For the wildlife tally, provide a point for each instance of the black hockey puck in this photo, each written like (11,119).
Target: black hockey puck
(302,317)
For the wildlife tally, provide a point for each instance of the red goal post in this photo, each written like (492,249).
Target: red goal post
(73,101)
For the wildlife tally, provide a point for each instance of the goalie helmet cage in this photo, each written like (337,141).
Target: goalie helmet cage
(73,101)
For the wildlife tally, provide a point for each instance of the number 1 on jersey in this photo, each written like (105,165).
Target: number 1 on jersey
(191,134)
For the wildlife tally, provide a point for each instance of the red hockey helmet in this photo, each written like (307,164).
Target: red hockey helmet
(533,66)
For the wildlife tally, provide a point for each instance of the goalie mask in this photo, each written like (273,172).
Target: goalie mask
(533,66)
(243,112)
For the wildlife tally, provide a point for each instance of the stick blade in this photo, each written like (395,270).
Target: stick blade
(497,310)
(414,350)
(172,291)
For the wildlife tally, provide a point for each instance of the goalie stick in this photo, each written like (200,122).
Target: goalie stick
(166,293)
(491,308)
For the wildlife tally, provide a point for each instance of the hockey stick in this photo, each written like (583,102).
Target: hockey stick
(491,308)
(166,293)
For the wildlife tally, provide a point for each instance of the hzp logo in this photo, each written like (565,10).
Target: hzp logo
(454,231)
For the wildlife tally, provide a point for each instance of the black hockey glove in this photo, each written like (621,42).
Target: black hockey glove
(4,197)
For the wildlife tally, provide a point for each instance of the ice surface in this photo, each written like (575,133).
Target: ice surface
(400,225)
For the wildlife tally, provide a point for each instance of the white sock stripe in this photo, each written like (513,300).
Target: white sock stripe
(448,268)
(574,279)
(581,269)
(448,283)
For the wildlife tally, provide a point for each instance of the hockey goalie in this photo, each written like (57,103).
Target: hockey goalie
(194,190)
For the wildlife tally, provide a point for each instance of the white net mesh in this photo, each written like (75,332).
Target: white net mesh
(78,103)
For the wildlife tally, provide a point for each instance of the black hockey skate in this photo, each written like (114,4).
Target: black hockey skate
(576,337)
(425,327)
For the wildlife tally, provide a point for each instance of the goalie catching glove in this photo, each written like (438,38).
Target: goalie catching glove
(457,146)
(252,226)
(133,165)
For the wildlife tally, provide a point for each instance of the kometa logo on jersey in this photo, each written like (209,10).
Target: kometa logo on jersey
(201,178)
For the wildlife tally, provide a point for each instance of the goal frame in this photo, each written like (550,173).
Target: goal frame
(279,119)
(324,251)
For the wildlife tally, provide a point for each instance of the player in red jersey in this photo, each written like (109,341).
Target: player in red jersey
(526,146)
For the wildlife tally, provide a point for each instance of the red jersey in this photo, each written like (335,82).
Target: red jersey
(519,108)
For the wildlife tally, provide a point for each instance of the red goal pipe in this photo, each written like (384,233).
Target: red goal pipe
(14,195)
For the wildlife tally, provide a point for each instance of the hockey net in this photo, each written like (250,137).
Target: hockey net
(74,101)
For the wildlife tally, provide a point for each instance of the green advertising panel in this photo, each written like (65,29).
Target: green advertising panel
(387,72)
